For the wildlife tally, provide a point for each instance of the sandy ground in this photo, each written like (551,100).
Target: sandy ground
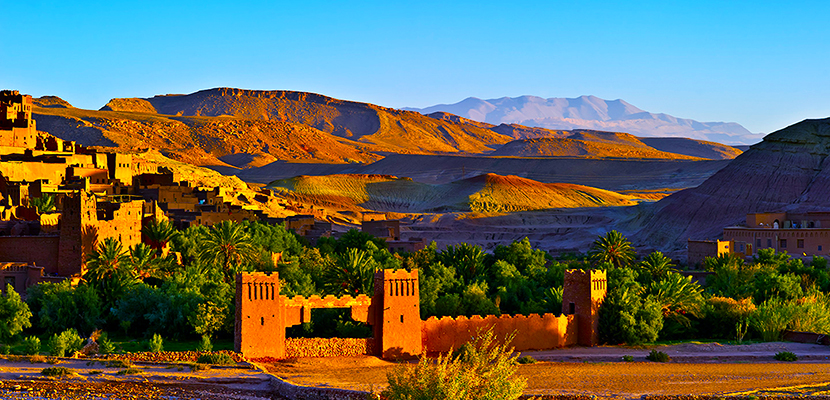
(695,369)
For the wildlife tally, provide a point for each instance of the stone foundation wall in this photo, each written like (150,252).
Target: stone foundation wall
(333,347)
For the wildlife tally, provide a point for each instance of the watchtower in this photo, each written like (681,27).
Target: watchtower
(582,295)
(397,314)
(260,316)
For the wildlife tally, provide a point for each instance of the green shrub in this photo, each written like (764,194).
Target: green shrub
(156,344)
(786,356)
(6,349)
(658,356)
(771,318)
(56,371)
(31,345)
(628,358)
(205,344)
(95,372)
(526,360)
(486,371)
(196,367)
(129,371)
(67,342)
(216,359)
(106,346)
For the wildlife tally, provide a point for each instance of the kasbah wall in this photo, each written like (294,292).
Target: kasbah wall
(262,315)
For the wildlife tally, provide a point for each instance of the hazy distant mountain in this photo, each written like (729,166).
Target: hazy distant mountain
(590,112)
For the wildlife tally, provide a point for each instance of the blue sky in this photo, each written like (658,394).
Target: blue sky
(762,64)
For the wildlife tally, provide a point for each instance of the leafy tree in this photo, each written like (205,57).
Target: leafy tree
(227,245)
(731,278)
(521,254)
(625,316)
(14,315)
(59,306)
(613,248)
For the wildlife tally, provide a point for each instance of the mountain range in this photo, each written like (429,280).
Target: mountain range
(590,112)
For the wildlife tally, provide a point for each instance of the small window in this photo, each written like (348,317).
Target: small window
(769,242)
(262,321)
(783,243)
(800,243)
(401,318)
(572,308)
(758,243)
(819,247)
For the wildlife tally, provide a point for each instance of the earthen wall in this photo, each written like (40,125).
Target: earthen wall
(533,332)
(41,251)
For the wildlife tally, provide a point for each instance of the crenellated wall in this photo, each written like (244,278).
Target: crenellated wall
(394,313)
(533,332)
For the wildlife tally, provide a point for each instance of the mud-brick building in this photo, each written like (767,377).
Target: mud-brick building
(262,315)
(17,128)
(804,234)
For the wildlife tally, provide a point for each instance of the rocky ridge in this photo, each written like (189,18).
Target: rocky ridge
(788,171)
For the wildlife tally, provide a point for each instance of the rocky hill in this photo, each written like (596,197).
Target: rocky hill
(483,193)
(589,112)
(694,148)
(390,129)
(788,170)
(569,147)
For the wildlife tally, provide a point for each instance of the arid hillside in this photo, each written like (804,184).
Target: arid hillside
(789,170)
(571,147)
(203,140)
(401,131)
(694,148)
(487,193)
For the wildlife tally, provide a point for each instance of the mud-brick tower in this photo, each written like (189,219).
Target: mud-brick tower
(77,232)
(397,314)
(260,316)
(582,295)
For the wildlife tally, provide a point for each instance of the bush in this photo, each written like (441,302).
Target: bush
(771,318)
(484,372)
(31,345)
(658,356)
(14,315)
(105,346)
(205,344)
(67,342)
(216,358)
(526,360)
(786,356)
(628,358)
(156,344)
(56,371)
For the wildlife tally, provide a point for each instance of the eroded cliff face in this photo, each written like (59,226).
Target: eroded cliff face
(788,170)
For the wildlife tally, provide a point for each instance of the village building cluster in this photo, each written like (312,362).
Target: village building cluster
(804,234)
(96,194)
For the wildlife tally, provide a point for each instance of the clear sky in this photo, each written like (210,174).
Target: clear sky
(763,64)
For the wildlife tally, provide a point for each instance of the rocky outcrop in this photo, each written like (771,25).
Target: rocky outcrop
(571,147)
(789,170)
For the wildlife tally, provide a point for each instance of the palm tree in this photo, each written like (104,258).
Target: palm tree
(657,266)
(677,296)
(612,248)
(352,274)
(467,259)
(158,233)
(108,270)
(227,245)
(143,259)
(43,204)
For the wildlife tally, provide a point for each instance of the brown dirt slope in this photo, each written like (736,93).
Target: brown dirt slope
(389,128)
(612,138)
(788,170)
(694,148)
(51,102)
(570,147)
(203,140)
(484,193)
